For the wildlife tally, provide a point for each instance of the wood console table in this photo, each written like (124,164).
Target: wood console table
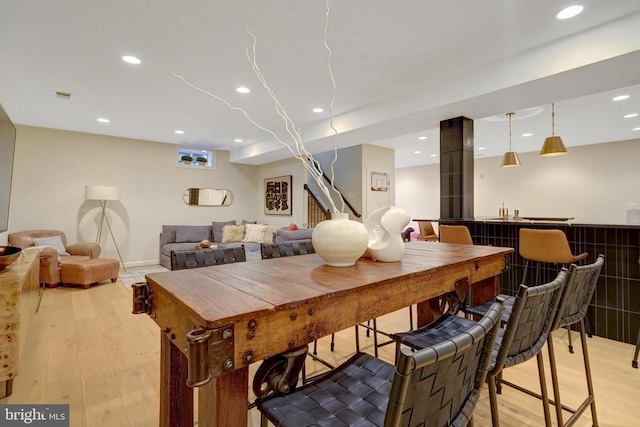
(245,312)
(20,295)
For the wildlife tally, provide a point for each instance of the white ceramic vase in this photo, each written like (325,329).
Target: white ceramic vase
(384,226)
(340,241)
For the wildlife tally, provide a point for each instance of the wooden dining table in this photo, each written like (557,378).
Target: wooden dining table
(215,321)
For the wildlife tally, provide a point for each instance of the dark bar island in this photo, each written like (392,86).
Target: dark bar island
(614,312)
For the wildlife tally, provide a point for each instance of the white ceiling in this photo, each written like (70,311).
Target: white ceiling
(400,68)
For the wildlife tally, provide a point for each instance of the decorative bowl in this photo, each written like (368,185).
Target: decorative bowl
(8,254)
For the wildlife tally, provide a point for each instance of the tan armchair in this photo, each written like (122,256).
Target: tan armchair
(50,259)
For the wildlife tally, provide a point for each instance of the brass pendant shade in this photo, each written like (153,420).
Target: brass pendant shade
(553,145)
(510,158)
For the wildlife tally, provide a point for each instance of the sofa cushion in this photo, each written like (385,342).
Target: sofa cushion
(53,241)
(290,236)
(232,233)
(166,249)
(254,232)
(217,229)
(193,233)
(168,234)
(270,234)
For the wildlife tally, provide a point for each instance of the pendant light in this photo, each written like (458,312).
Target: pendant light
(553,145)
(510,158)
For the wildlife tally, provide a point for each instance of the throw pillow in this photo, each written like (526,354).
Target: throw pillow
(292,227)
(192,233)
(232,233)
(270,234)
(245,222)
(168,234)
(217,229)
(254,232)
(53,241)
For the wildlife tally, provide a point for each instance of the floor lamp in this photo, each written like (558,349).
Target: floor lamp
(102,193)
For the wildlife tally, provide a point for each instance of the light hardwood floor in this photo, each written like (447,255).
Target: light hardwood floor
(87,349)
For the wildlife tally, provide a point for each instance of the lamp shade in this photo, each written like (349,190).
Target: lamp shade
(553,146)
(510,160)
(101,192)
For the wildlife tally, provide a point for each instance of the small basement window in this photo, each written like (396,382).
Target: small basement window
(195,158)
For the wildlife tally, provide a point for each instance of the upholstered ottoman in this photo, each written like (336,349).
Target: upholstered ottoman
(89,271)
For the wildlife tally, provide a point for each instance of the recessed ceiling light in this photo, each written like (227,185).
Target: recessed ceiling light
(178,131)
(482,148)
(620,97)
(527,134)
(570,12)
(318,110)
(131,59)
(243,89)
(422,137)
(417,152)
(103,120)
(433,155)
(628,116)
(237,140)
(636,128)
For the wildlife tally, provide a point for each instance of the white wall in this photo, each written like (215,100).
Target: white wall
(52,168)
(299,197)
(353,169)
(379,160)
(593,183)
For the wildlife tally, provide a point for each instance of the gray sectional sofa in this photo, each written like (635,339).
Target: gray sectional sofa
(187,237)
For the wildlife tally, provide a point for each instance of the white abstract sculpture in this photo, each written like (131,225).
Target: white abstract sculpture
(384,226)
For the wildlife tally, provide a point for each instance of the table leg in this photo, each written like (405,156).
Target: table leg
(222,402)
(425,315)
(484,290)
(481,292)
(176,398)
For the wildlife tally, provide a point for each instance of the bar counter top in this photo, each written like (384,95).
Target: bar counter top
(569,222)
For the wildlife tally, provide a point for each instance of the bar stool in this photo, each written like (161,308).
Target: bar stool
(427,233)
(455,234)
(576,296)
(546,246)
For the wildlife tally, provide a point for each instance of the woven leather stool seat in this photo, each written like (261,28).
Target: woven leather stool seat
(481,309)
(356,391)
(445,327)
(436,386)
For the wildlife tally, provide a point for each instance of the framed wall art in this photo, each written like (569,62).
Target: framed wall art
(277,195)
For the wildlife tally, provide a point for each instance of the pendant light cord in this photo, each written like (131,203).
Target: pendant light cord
(510,114)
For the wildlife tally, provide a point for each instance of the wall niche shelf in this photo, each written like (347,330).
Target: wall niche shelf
(196,158)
